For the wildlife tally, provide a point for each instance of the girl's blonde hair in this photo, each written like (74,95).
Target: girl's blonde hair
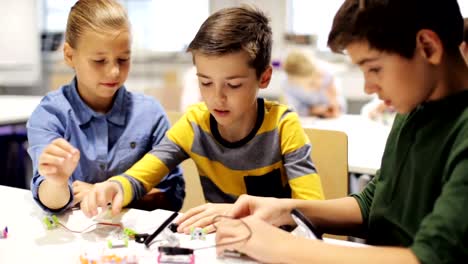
(96,15)
(300,64)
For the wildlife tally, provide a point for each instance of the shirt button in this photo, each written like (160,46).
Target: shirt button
(102,166)
(133,144)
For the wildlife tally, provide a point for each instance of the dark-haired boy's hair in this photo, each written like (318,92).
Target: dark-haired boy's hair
(392,25)
(236,29)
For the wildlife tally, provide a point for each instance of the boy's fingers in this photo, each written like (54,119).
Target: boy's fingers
(191,212)
(203,222)
(91,207)
(240,208)
(84,205)
(76,184)
(117,203)
(103,198)
(210,229)
(185,225)
(225,235)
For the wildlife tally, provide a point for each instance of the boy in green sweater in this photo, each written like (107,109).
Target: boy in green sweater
(413,211)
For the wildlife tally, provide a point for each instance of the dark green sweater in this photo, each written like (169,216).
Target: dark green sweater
(419,198)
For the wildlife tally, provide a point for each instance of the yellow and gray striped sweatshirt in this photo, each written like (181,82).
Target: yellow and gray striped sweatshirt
(273,160)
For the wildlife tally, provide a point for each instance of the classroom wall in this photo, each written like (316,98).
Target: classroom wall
(156,74)
(19,45)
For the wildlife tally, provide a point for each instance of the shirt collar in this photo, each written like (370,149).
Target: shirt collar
(84,113)
(117,114)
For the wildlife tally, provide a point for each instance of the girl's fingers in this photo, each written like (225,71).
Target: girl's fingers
(49,159)
(57,151)
(65,145)
(46,169)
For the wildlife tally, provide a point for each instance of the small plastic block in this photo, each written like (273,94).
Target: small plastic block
(50,221)
(175,255)
(117,243)
(130,233)
(176,259)
(197,233)
(140,238)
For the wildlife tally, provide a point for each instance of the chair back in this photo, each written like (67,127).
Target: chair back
(330,156)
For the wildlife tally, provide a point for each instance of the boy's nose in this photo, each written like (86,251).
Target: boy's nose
(220,95)
(370,88)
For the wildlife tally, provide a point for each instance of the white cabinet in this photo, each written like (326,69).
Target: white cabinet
(19,43)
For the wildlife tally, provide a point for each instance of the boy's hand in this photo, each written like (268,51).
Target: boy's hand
(272,210)
(233,234)
(100,195)
(58,161)
(80,189)
(202,216)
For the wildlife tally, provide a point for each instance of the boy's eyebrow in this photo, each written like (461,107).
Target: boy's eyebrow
(202,75)
(366,60)
(227,78)
(235,77)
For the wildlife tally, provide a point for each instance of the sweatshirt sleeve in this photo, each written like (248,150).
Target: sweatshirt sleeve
(296,149)
(155,165)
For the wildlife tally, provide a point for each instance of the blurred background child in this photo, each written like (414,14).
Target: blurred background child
(310,90)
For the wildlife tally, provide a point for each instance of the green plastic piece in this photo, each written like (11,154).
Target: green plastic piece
(50,221)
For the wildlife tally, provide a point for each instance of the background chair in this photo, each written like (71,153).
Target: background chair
(193,190)
(330,156)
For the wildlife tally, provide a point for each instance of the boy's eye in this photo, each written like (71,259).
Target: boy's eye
(99,61)
(375,70)
(123,60)
(205,83)
(234,85)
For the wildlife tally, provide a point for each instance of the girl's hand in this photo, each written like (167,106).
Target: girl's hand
(58,161)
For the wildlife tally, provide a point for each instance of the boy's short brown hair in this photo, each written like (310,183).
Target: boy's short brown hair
(234,29)
(392,25)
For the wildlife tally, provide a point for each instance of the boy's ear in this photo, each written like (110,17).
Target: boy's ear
(464,50)
(68,54)
(429,45)
(265,78)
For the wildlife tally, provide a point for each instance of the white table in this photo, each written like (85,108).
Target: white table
(366,139)
(16,109)
(29,242)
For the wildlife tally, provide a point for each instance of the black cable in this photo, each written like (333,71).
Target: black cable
(160,229)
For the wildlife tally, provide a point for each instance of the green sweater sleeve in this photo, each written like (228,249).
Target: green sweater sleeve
(443,234)
(365,198)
